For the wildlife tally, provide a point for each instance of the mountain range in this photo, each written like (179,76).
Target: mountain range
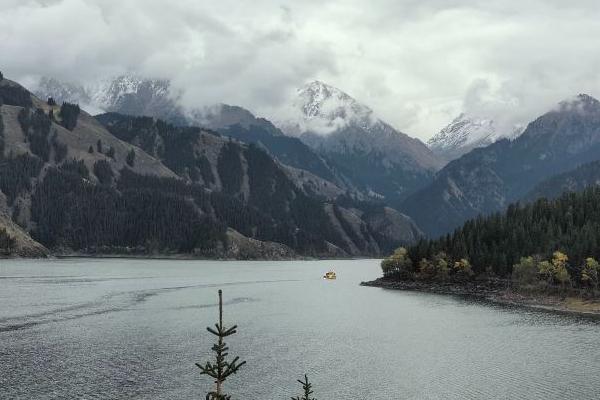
(469,168)
(328,132)
(140,185)
(488,179)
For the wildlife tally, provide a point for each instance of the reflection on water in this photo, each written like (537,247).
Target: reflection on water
(128,329)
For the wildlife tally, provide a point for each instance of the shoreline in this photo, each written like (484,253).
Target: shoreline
(178,256)
(498,293)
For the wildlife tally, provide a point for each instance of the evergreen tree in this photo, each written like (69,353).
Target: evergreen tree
(130,158)
(307,388)
(91,149)
(221,369)
(51,101)
(111,152)
(69,114)
(99,146)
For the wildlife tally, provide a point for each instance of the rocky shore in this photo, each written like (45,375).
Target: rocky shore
(499,292)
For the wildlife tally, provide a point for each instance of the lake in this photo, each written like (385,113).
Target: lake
(133,329)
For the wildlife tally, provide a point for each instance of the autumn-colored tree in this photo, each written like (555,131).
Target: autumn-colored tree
(462,269)
(561,274)
(398,264)
(221,369)
(546,271)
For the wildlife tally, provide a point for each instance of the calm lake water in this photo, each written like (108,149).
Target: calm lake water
(133,329)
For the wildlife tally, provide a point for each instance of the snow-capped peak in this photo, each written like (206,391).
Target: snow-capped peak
(467,132)
(317,99)
(321,108)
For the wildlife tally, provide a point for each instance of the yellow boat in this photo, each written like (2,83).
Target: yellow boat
(330,275)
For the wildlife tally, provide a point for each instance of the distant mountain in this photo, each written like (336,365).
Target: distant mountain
(365,150)
(575,180)
(127,94)
(487,179)
(466,133)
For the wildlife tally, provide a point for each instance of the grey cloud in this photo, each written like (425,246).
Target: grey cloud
(417,63)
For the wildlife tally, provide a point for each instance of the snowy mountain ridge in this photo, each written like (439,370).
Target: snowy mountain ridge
(466,133)
(322,109)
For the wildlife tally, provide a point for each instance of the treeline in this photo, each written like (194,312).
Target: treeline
(555,241)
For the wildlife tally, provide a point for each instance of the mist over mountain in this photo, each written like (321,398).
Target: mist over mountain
(366,150)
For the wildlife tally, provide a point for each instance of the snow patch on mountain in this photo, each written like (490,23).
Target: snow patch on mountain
(104,95)
(323,109)
(467,132)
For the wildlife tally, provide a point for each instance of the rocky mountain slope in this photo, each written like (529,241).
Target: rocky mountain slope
(14,241)
(466,133)
(488,179)
(366,151)
(121,184)
(260,197)
(133,95)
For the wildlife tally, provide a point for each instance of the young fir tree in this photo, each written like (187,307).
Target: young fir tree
(221,369)
(130,158)
(307,387)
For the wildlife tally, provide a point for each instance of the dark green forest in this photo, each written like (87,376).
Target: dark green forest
(143,214)
(567,226)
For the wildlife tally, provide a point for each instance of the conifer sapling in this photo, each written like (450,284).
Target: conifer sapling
(307,387)
(221,369)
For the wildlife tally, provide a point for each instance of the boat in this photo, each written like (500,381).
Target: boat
(330,275)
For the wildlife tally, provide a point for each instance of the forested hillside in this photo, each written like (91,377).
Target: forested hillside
(257,196)
(493,245)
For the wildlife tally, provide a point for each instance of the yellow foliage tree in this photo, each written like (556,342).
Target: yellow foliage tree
(397,264)
(560,272)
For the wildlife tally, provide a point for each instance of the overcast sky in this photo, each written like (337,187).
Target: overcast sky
(417,63)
